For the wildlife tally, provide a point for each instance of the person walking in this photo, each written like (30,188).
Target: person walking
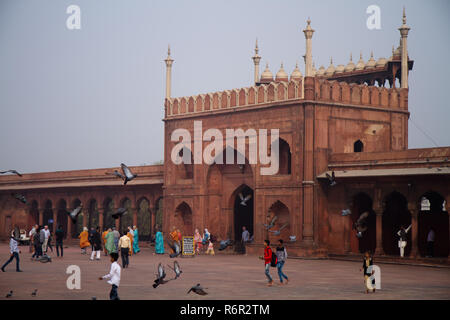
(402,233)
(105,232)
(281,259)
(110,242)
(135,240)
(244,239)
(125,249)
(116,238)
(31,235)
(37,243)
(267,261)
(367,262)
(113,276)
(42,240)
(96,244)
(130,235)
(46,233)
(84,242)
(159,242)
(430,243)
(59,236)
(14,250)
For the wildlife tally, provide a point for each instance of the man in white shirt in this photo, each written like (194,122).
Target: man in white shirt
(47,235)
(113,276)
(14,250)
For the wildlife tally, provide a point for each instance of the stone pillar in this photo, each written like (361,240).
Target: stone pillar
(308,55)
(55,219)
(412,207)
(69,227)
(41,216)
(256,59)
(117,221)
(135,216)
(152,221)
(100,218)
(404,29)
(85,217)
(378,208)
(169,62)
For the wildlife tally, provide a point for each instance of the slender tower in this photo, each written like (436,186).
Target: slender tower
(404,29)
(256,59)
(308,56)
(169,62)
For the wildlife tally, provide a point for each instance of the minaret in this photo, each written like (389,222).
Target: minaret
(404,29)
(256,58)
(308,56)
(169,62)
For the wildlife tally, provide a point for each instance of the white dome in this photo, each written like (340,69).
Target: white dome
(281,74)
(330,70)
(371,63)
(340,68)
(267,75)
(321,71)
(381,62)
(360,65)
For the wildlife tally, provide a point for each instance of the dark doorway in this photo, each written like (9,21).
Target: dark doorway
(48,215)
(358,146)
(395,215)
(77,227)
(108,220)
(243,211)
(62,216)
(362,206)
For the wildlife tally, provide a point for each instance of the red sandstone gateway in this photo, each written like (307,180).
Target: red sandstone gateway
(341,119)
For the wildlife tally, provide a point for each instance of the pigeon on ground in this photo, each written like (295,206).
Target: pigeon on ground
(331,179)
(11,171)
(198,290)
(120,212)
(292,238)
(20,197)
(176,268)
(117,174)
(9,294)
(45,258)
(225,244)
(244,200)
(278,232)
(34,293)
(74,214)
(128,174)
(346,212)
(175,247)
(160,276)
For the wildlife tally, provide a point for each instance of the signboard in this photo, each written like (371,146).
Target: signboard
(187,246)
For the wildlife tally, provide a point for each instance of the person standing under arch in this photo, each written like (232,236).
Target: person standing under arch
(402,233)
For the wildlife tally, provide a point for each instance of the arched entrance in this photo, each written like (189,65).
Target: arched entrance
(279,210)
(93,221)
(108,210)
(364,216)
(433,215)
(62,215)
(243,210)
(183,219)
(144,220)
(395,215)
(48,215)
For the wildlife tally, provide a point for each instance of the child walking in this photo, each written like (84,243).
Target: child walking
(281,258)
(210,248)
(113,276)
(267,260)
(367,261)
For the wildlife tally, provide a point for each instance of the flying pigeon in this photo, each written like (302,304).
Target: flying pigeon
(33,294)
(198,290)
(20,197)
(74,214)
(331,179)
(45,258)
(175,247)
(277,232)
(160,276)
(11,171)
(244,200)
(120,212)
(225,244)
(361,224)
(271,224)
(117,174)
(346,212)
(9,294)
(176,268)
(128,174)
(292,238)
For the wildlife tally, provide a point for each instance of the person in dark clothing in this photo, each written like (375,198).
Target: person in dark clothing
(367,262)
(59,235)
(281,259)
(96,241)
(37,243)
(49,241)
(14,250)
(90,238)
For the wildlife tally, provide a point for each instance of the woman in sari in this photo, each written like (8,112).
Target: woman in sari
(136,240)
(84,242)
(105,232)
(110,246)
(197,241)
(130,235)
(173,237)
(159,246)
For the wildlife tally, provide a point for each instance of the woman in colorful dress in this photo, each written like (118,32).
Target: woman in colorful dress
(159,246)
(84,242)
(197,241)
(135,240)
(130,235)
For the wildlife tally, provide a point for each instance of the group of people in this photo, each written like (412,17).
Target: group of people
(41,241)
(110,241)
(204,241)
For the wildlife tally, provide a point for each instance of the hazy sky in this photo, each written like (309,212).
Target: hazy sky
(93,98)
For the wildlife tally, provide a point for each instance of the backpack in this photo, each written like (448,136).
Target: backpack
(274,260)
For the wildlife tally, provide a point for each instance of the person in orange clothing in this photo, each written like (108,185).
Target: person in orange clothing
(130,235)
(174,236)
(84,242)
(105,232)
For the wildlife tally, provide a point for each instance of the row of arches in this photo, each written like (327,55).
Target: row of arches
(395,214)
(91,216)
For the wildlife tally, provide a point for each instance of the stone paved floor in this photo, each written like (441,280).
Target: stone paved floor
(225,276)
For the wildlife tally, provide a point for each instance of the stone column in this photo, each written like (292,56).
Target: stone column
(169,62)
(404,29)
(85,217)
(308,55)
(414,229)
(69,227)
(41,216)
(152,221)
(117,221)
(378,208)
(100,218)
(135,216)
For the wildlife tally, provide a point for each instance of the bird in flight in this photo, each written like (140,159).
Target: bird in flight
(198,289)
(161,274)
(278,232)
(20,197)
(128,174)
(120,212)
(176,268)
(11,171)
(244,200)
(331,179)
(74,214)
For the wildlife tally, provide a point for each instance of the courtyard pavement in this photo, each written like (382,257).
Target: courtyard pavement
(226,276)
